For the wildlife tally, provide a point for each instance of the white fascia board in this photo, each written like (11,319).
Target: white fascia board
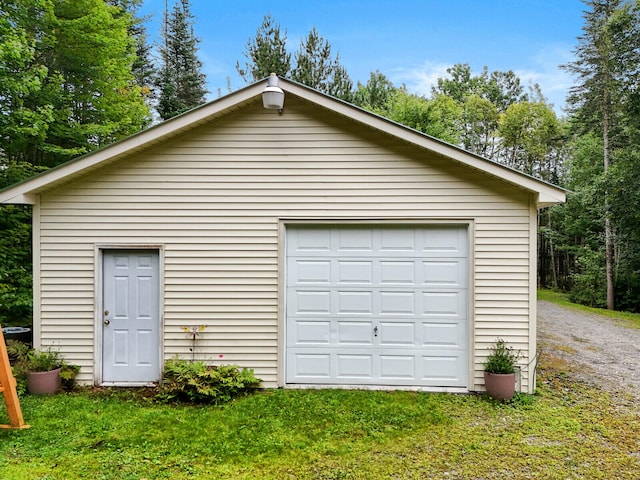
(19,198)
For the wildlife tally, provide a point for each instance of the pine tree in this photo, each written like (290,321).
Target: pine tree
(143,68)
(605,67)
(180,81)
(316,68)
(266,53)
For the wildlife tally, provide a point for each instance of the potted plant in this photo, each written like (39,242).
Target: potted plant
(44,367)
(500,371)
(40,372)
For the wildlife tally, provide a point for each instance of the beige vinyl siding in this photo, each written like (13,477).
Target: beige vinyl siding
(214,199)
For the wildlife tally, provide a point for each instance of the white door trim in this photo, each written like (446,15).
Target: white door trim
(99,250)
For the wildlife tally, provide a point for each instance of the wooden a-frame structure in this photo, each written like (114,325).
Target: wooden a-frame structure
(8,389)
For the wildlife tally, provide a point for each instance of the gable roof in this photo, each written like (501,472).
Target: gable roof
(26,192)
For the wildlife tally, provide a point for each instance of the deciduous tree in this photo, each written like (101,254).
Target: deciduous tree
(375,94)
(91,86)
(24,122)
(500,88)
(529,134)
(15,250)
(479,126)
(72,88)
(438,117)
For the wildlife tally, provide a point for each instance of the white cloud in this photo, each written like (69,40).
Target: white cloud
(545,71)
(419,79)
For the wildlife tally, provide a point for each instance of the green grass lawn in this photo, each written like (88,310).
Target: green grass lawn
(625,318)
(568,430)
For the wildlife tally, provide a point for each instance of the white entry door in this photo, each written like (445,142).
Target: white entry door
(377,306)
(131,316)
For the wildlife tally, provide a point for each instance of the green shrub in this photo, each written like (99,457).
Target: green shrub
(502,359)
(589,284)
(68,376)
(26,360)
(44,360)
(197,382)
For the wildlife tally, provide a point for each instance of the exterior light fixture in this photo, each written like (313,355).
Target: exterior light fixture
(273,96)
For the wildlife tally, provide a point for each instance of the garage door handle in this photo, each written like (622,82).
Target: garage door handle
(375,331)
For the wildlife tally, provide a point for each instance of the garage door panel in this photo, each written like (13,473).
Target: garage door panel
(377,305)
(312,272)
(443,369)
(354,302)
(451,273)
(311,302)
(397,272)
(307,332)
(398,367)
(442,335)
(397,240)
(354,240)
(354,272)
(444,304)
(397,333)
(310,240)
(355,332)
(313,367)
(444,240)
(397,303)
(354,366)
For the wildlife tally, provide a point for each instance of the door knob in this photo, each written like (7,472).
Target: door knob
(107,321)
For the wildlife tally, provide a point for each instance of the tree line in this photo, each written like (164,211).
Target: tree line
(76,75)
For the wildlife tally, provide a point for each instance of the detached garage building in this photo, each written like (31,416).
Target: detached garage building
(320,245)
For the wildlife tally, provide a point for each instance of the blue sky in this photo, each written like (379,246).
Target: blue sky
(412,42)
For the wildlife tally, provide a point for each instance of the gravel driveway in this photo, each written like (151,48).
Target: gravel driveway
(605,353)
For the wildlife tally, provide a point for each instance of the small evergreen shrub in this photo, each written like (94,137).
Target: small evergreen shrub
(197,382)
(503,359)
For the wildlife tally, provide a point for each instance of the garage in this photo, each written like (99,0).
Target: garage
(377,305)
(317,245)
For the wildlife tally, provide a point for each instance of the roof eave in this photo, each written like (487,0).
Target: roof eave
(547,194)
(24,192)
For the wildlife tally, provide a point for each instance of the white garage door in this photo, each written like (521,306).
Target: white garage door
(377,306)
